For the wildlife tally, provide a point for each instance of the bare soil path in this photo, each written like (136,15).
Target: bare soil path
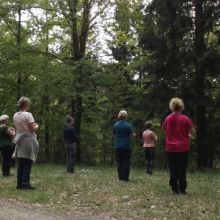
(11,210)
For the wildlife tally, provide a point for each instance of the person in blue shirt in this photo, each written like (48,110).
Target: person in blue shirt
(70,139)
(123,131)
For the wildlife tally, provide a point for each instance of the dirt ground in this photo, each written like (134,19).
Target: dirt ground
(10,210)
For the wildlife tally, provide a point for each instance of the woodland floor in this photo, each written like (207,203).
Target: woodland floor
(94,193)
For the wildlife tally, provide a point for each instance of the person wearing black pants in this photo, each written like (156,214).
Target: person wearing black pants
(27,146)
(6,136)
(24,173)
(6,160)
(178,164)
(70,139)
(178,129)
(71,157)
(123,131)
(149,158)
(123,160)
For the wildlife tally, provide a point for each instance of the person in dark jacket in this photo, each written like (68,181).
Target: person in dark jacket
(123,131)
(70,139)
(6,136)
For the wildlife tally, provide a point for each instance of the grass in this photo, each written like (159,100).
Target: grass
(97,190)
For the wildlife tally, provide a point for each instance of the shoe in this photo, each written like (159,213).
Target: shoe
(175,192)
(183,192)
(29,186)
(20,188)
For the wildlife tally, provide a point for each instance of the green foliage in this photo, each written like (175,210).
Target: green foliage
(49,51)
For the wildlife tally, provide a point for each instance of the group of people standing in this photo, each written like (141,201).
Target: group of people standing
(23,136)
(178,129)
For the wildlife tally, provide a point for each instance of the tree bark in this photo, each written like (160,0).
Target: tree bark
(79,41)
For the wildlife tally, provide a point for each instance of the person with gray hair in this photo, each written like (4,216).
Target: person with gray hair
(70,139)
(27,146)
(123,131)
(6,136)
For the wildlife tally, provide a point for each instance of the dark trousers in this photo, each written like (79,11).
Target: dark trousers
(149,153)
(6,159)
(71,157)
(23,172)
(123,161)
(178,165)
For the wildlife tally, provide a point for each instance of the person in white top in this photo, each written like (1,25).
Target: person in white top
(26,143)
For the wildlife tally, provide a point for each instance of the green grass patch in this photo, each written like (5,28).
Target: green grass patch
(97,190)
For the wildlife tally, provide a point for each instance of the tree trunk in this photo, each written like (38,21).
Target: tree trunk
(78,120)
(200,73)
(47,110)
(79,40)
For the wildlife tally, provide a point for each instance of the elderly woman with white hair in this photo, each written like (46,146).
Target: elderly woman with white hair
(123,131)
(26,143)
(178,129)
(6,136)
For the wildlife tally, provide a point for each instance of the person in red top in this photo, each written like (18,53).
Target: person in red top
(178,130)
(149,139)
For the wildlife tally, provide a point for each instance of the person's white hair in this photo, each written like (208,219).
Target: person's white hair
(122,114)
(3,118)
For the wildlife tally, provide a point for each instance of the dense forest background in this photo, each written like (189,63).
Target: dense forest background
(92,58)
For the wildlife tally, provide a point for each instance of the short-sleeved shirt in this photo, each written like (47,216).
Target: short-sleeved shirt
(69,134)
(123,131)
(149,138)
(177,127)
(22,121)
(5,139)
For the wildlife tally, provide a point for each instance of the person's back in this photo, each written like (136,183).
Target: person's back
(177,127)
(22,121)
(5,139)
(70,140)
(149,138)
(123,131)
(69,134)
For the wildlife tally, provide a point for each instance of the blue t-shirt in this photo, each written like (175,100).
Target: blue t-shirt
(123,131)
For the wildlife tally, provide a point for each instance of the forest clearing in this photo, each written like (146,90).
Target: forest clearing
(95,193)
(102,84)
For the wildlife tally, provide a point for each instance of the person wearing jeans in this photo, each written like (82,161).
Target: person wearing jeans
(27,146)
(149,139)
(70,140)
(6,136)
(123,131)
(178,130)
(23,172)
